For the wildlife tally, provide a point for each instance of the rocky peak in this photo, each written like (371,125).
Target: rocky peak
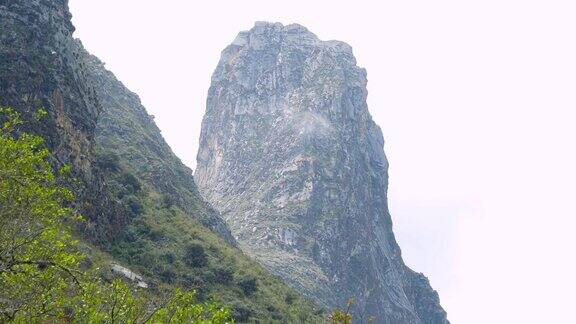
(291,157)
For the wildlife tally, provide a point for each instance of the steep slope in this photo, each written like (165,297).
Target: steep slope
(290,156)
(141,204)
(126,129)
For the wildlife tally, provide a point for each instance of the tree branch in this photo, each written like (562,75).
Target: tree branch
(42,264)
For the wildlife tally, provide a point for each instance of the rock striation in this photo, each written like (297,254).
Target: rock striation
(291,157)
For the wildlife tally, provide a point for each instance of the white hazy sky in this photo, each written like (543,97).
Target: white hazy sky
(477,103)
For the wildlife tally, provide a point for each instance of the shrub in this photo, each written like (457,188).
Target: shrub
(133,205)
(156,235)
(168,276)
(241,313)
(249,285)
(169,257)
(223,276)
(196,283)
(168,201)
(108,161)
(290,298)
(195,256)
(131,183)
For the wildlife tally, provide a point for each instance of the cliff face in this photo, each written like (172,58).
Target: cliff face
(40,67)
(290,156)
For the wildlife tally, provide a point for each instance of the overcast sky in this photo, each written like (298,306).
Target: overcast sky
(477,103)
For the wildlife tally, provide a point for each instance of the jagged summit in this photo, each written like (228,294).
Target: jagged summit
(296,54)
(265,34)
(291,157)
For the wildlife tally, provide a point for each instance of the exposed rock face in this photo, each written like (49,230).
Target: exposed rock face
(127,131)
(291,157)
(40,67)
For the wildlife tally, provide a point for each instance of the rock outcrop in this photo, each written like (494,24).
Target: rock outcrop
(290,156)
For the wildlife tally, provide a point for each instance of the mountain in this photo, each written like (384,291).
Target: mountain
(144,215)
(291,157)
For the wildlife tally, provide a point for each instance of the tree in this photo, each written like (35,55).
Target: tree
(37,255)
(116,303)
(40,280)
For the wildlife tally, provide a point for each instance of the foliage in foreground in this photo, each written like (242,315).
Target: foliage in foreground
(40,276)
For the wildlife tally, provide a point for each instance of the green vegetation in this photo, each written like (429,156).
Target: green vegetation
(46,275)
(41,277)
(339,316)
(171,248)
